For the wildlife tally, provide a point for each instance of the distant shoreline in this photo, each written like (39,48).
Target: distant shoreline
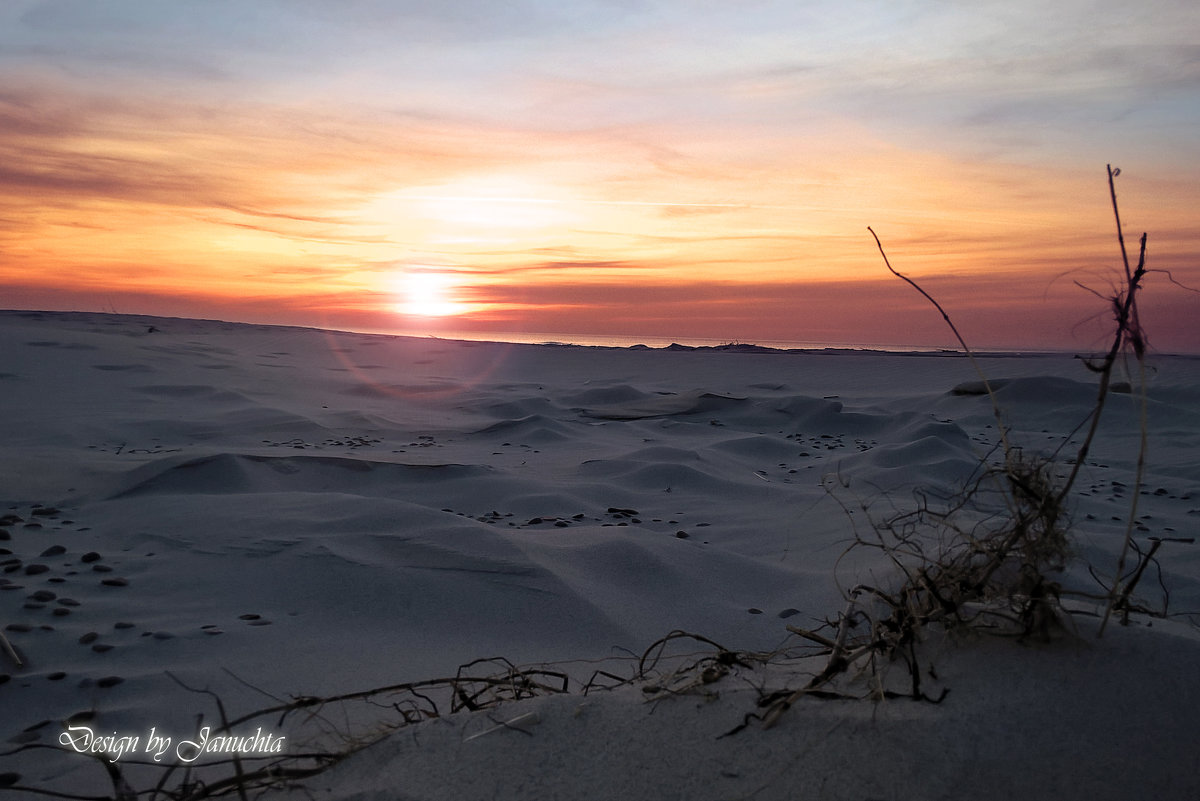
(634,343)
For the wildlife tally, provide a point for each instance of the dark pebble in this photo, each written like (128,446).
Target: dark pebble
(101,647)
(44,511)
(20,628)
(89,638)
(53,550)
(683,535)
(68,602)
(43,595)
(786,613)
(754,611)
(109,681)
(4,677)
(89,557)
(115,582)
(260,623)
(102,568)
(33,605)
(4,535)
(33,525)
(163,635)
(57,675)
(122,625)
(60,611)
(9,779)
(249,616)
(213,631)
(36,569)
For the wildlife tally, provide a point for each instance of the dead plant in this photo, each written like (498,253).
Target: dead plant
(325,730)
(988,556)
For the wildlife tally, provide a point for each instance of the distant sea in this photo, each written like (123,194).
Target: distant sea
(629,341)
(632,340)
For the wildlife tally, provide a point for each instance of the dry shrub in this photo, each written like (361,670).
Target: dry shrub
(987,557)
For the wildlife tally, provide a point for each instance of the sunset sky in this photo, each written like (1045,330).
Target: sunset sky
(632,169)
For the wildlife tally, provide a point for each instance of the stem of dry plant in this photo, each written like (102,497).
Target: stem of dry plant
(1128,336)
(966,562)
(8,649)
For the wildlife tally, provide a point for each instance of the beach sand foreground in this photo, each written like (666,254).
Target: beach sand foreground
(278,512)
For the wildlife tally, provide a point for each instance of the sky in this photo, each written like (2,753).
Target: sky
(675,169)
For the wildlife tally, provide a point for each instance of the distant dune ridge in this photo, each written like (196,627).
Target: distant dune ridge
(255,509)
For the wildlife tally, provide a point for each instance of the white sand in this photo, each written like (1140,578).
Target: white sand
(391,508)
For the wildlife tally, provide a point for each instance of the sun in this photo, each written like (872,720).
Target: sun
(429,294)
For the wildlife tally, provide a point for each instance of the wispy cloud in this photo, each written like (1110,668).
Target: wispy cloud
(307,148)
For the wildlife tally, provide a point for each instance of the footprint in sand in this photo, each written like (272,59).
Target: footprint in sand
(31,560)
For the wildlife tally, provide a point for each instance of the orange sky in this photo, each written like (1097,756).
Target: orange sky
(650,172)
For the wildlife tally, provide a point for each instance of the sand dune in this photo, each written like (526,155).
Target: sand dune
(317,513)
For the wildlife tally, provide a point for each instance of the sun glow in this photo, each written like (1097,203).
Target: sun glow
(430,294)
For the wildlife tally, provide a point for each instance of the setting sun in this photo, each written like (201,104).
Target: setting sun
(682,174)
(429,294)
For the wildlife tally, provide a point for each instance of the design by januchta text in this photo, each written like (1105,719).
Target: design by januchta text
(84,740)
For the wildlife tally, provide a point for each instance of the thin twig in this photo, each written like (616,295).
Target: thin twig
(966,348)
(8,648)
